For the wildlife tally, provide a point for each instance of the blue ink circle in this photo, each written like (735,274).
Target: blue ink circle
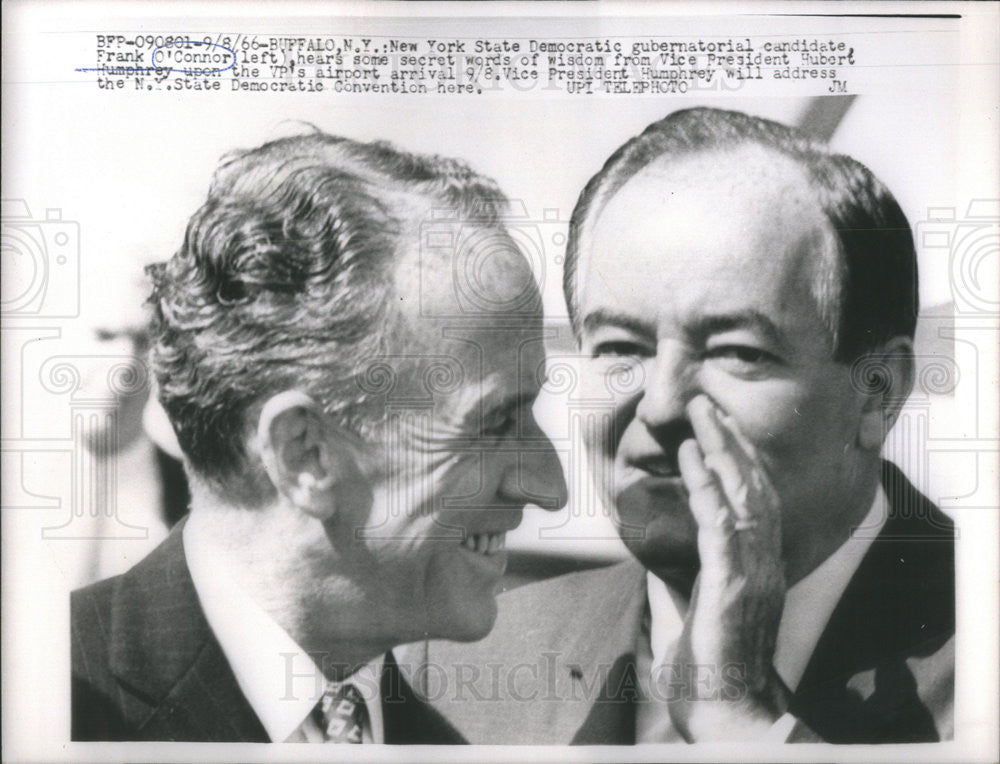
(230,51)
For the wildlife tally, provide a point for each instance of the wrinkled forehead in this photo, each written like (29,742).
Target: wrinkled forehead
(461,269)
(747,200)
(760,181)
(740,229)
(461,362)
(467,299)
(511,346)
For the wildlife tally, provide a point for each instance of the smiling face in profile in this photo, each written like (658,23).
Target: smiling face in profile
(704,275)
(460,453)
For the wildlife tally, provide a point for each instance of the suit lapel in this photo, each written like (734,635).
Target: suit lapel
(586,688)
(603,652)
(163,651)
(566,677)
(406,718)
(899,604)
(206,704)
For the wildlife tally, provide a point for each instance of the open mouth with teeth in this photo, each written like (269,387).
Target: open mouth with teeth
(485,543)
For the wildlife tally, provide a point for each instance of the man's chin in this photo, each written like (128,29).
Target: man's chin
(665,543)
(469,624)
(666,558)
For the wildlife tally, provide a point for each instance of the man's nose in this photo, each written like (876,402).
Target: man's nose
(666,389)
(535,475)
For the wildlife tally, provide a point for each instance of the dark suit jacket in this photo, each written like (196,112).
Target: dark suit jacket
(559,666)
(146,666)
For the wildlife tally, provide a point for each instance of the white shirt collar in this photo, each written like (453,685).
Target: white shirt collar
(808,604)
(280,681)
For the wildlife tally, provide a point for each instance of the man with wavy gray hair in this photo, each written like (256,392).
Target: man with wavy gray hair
(760,292)
(348,346)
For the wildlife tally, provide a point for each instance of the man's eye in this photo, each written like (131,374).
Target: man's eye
(615,349)
(499,423)
(742,354)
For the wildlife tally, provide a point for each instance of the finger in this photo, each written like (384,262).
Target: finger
(708,505)
(763,505)
(711,437)
(747,451)
(720,431)
(762,502)
(706,499)
(723,456)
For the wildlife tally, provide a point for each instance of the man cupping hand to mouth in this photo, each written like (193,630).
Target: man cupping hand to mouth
(737,600)
(745,302)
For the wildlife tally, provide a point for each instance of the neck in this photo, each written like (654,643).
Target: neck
(283,562)
(826,530)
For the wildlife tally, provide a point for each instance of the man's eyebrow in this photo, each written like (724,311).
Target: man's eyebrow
(700,329)
(602,317)
(706,326)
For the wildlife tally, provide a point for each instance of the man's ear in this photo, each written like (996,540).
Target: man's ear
(885,377)
(302,454)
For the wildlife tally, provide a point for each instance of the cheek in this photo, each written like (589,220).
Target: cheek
(466,475)
(603,431)
(788,420)
(460,485)
(602,411)
(606,392)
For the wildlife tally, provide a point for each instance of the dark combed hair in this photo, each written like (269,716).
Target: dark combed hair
(866,295)
(284,281)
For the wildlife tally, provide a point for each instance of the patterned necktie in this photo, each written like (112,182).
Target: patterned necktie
(341,713)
